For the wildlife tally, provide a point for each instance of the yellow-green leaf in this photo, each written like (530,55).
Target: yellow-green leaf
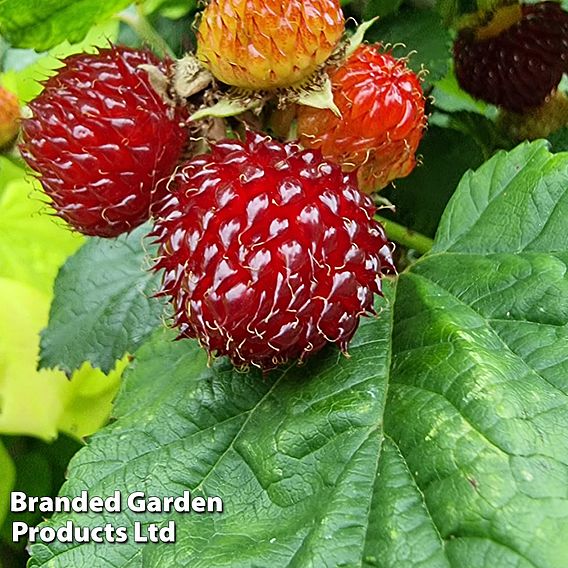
(40,403)
(33,243)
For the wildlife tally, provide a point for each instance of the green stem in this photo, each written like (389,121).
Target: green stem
(145,31)
(405,236)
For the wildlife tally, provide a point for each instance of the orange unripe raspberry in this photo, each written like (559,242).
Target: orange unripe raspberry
(267,44)
(382,118)
(9,116)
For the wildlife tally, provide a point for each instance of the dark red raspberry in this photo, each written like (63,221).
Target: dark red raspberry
(268,251)
(102,139)
(517,59)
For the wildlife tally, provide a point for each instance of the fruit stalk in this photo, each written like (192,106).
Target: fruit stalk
(405,236)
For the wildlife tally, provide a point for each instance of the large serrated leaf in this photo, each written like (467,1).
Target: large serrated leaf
(442,442)
(103,306)
(43,25)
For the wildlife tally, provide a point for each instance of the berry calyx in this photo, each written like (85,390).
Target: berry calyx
(268,251)
(536,123)
(382,118)
(102,140)
(267,44)
(9,117)
(517,59)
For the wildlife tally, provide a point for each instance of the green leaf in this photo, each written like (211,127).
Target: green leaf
(41,403)
(380,8)
(442,442)
(454,11)
(24,212)
(449,97)
(9,171)
(320,421)
(483,131)
(103,305)
(420,32)
(40,469)
(43,25)
(24,68)
(173,9)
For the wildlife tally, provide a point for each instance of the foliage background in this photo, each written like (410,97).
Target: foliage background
(441,442)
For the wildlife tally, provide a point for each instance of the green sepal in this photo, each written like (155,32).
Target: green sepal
(226,107)
(319,97)
(357,38)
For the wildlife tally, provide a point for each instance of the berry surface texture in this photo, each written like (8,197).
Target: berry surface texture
(269,252)
(102,141)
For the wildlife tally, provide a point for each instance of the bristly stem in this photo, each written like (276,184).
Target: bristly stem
(405,236)
(145,31)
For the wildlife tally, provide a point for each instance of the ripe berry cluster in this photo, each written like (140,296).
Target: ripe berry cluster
(268,250)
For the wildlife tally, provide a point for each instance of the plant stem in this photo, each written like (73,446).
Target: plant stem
(145,31)
(405,236)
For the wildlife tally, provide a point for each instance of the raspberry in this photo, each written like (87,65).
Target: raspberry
(268,251)
(382,107)
(267,44)
(102,140)
(9,115)
(517,59)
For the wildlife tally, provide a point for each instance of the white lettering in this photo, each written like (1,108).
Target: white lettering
(198,504)
(96,505)
(183,504)
(113,504)
(214,505)
(136,503)
(138,536)
(19,529)
(18,502)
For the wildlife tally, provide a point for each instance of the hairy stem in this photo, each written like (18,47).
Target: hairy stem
(405,236)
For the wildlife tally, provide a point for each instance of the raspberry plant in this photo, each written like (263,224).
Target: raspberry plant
(329,276)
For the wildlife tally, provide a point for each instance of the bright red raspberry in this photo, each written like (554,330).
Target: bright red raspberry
(268,251)
(267,44)
(101,140)
(516,60)
(9,116)
(382,118)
